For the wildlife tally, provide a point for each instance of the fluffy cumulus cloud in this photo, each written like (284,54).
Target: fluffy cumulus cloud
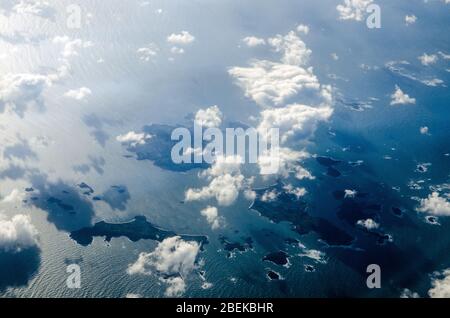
(272,83)
(14,197)
(133,138)
(295,120)
(424,130)
(407,293)
(426,59)
(350,193)
(38,8)
(284,162)
(147,53)
(17,234)
(182,38)
(295,51)
(315,255)
(435,205)
(368,224)
(269,196)
(410,19)
(210,117)
(177,286)
(252,41)
(440,285)
(212,217)
(226,181)
(173,260)
(301,28)
(298,192)
(19,91)
(269,83)
(70,47)
(225,189)
(79,94)
(353,9)
(401,98)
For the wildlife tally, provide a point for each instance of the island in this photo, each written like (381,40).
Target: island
(138,229)
(279,258)
(288,208)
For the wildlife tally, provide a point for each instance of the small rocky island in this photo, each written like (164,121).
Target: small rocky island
(138,229)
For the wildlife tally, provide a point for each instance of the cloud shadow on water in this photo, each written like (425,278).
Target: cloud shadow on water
(18,268)
(67,209)
(116,197)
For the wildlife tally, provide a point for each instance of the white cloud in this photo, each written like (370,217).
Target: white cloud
(132,138)
(172,257)
(182,38)
(226,181)
(435,205)
(269,83)
(353,9)
(14,197)
(406,293)
(315,255)
(273,83)
(225,189)
(177,50)
(350,193)
(426,59)
(22,90)
(368,224)
(269,196)
(147,53)
(19,91)
(424,130)
(210,117)
(298,192)
(212,216)
(36,7)
(400,68)
(250,194)
(433,82)
(400,98)
(440,285)
(303,28)
(286,160)
(224,165)
(410,19)
(71,47)
(443,55)
(293,48)
(78,94)
(301,173)
(252,41)
(176,288)
(294,120)
(17,234)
